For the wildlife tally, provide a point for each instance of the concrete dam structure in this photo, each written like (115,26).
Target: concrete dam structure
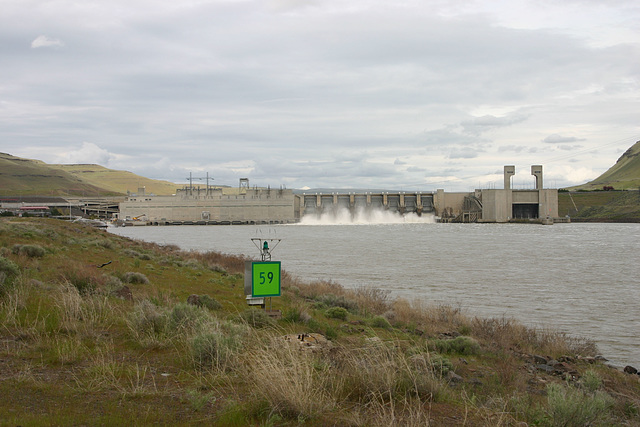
(483,205)
(402,202)
(244,205)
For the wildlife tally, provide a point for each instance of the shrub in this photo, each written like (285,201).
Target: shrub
(337,313)
(591,381)
(135,278)
(187,317)
(9,268)
(331,300)
(372,300)
(213,349)
(568,406)
(256,318)
(209,302)
(32,251)
(458,345)
(85,279)
(440,364)
(147,321)
(296,314)
(380,322)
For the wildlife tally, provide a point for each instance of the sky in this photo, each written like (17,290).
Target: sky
(376,94)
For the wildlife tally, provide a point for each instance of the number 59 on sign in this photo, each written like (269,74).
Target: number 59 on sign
(265,279)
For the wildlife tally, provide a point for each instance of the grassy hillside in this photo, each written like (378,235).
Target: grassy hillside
(600,206)
(24,177)
(118,181)
(98,330)
(625,174)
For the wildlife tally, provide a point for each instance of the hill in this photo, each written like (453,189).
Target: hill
(600,206)
(624,175)
(26,177)
(117,180)
(98,329)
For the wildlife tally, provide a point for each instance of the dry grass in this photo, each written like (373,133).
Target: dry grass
(293,382)
(506,333)
(63,334)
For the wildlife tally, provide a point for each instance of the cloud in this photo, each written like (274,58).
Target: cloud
(305,92)
(89,153)
(559,139)
(463,153)
(479,125)
(44,41)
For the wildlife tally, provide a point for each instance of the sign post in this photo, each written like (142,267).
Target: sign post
(265,279)
(262,278)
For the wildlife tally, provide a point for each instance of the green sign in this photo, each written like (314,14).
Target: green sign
(265,280)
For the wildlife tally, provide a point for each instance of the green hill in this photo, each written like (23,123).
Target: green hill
(624,175)
(26,177)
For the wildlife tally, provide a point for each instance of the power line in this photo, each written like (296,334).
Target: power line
(587,150)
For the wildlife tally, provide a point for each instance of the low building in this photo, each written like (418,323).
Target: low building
(210,205)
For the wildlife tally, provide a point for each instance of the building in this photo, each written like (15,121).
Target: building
(210,205)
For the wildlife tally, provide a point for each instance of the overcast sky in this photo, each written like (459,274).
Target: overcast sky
(412,95)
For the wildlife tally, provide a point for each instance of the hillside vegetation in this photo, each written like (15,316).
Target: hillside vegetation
(98,329)
(118,181)
(600,206)
(26,177)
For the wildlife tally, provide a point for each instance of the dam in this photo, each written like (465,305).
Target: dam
(482,205)
(245,205)
(400,202)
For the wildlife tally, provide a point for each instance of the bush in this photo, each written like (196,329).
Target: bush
(569,406)
(148,320)
(135,278)
(256,318)
(84,278)
(187,317)
(296,315)
(440,364)
(591,381)
(32,251)
(209,302)
(458,345)
(380,322)
(213,349)
(331,300)
(337,313)
(9,268)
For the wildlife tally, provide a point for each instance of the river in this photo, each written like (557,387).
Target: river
(580,278)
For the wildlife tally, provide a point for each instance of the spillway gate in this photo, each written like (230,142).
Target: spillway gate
(401,202)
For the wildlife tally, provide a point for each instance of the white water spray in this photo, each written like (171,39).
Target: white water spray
(342,216)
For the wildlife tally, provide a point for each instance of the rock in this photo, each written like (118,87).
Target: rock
(630,370)
(453,377)
(539,360)
(124,293)
(563,368)
(309,341)
(544,368)
(194,299)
